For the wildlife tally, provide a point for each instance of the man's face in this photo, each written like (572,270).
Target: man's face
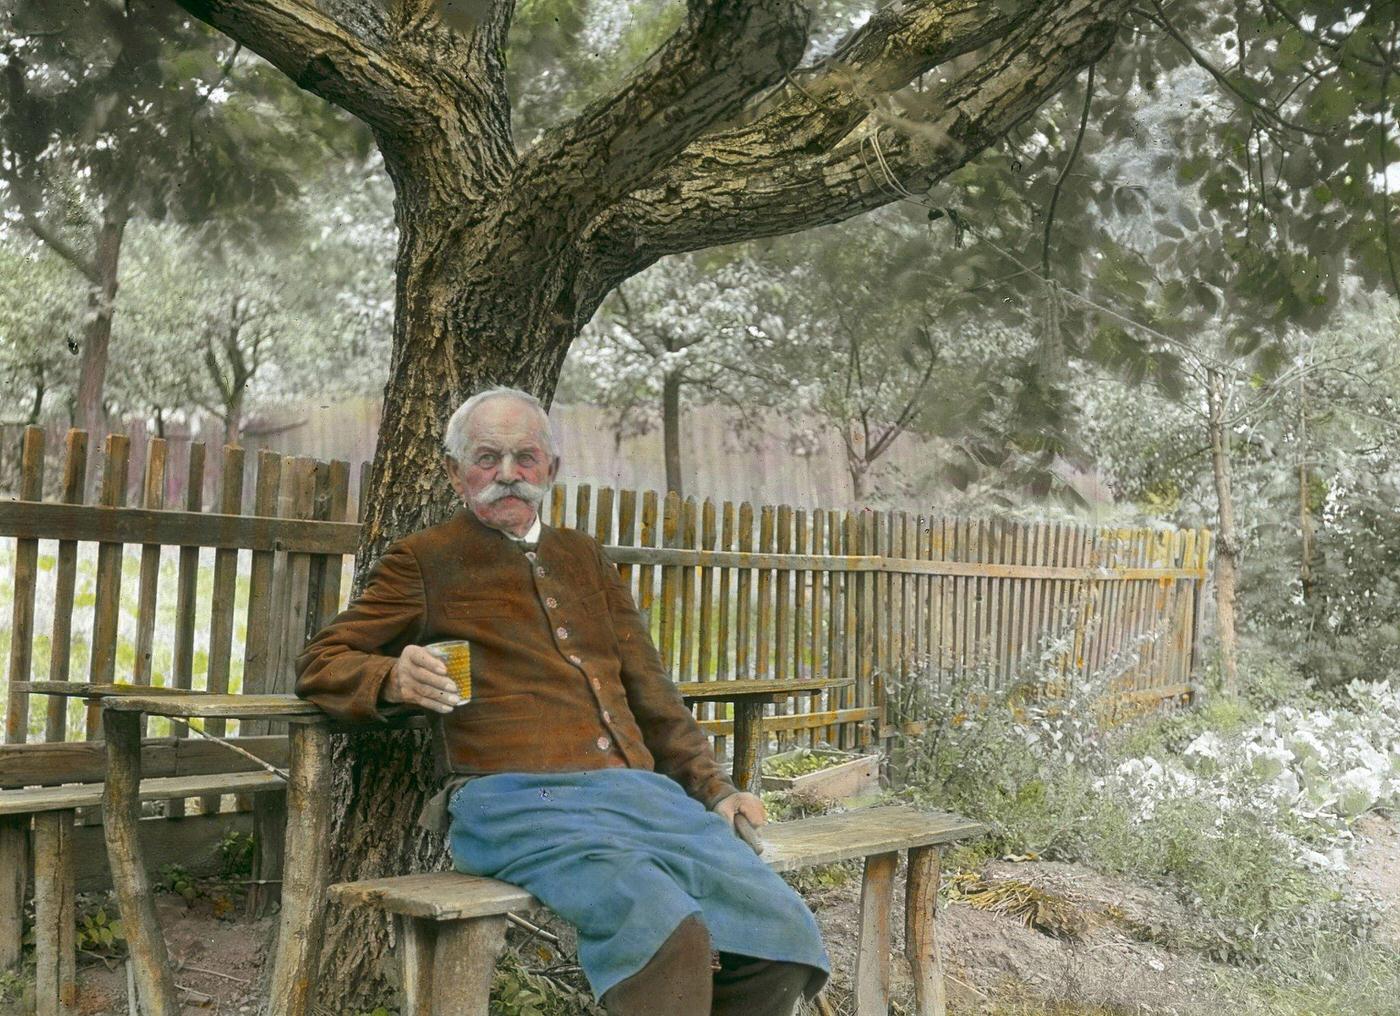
(508,470)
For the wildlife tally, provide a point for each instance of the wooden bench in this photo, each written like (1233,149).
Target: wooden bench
(42,789)
(452,926)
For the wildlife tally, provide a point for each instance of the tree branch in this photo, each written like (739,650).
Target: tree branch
(325,58)
(726,51)
(778,176)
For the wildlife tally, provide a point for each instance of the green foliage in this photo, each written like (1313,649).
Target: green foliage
(174,878)
(236,851)
(99,934)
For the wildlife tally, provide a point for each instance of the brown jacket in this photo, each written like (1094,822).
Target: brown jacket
(564,673)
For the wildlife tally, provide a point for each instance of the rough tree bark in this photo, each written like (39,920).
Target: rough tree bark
(1227,548)
(719,136)
(102,304)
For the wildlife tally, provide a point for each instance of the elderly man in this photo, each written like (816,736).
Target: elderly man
(576,770)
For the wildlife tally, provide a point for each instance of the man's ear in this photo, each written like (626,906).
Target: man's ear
(454,473)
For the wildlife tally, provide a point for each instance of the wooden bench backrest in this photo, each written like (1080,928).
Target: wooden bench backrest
(39,765)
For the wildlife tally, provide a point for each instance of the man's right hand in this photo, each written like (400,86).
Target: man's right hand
(418,678)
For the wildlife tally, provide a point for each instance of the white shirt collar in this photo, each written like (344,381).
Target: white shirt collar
(532,536)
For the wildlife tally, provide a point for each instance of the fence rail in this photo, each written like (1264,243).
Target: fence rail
(731,591)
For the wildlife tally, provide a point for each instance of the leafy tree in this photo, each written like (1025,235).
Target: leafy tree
(39,327)
(118,110)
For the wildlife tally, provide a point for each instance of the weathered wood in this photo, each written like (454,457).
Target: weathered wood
(14,878)
(221,603)
(417,938)
(257,645)
(463,960)
(65,584)
(921,931)
(152,497)
(233,707)
(797,722)
(294,603)
(55,915)
(872,974)
(109,572)
(293,986)
(769,688)
(186,591)
(34,765)
(25,576)
(51,521)
(328,567)
(686,609)
(33,800)
(270,839)
(670,581)
(122,809)
(748,744)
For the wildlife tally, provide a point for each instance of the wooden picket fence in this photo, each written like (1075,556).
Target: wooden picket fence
(881,599)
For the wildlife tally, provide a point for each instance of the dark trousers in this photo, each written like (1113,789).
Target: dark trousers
(679,981)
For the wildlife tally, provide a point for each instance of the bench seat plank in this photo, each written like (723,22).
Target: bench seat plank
(87,795)
(451,896)
(232,707)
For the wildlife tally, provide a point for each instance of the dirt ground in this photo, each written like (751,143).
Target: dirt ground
(985,954)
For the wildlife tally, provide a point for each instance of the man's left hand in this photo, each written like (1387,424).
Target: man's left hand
(748,805)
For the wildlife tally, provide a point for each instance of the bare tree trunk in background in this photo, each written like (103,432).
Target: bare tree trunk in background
(97,335)
(1305,519)
(504,255)
(1226,539)
(671,430)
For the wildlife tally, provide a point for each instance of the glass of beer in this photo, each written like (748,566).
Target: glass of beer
(457,654)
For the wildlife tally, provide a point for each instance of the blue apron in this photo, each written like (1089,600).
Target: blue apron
(624,855)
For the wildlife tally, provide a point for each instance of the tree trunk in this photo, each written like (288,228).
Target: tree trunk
(1305,520)
(97,336)
(671,430)
(37,405)
(857,470)
(462,323)
(1226,540)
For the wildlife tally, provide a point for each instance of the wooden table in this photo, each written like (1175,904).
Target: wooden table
(749,696)
(308,826)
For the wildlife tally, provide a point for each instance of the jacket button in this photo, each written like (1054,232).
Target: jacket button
(540,570)
(607,718)
(604,744)
(597,685)
(562,632)
(577,661)
(551,602)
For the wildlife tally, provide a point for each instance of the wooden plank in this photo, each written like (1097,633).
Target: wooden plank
(705,633)
(416,940)
(626,531)
(303,915)
(799,721)
(849,603)
(187,576)
(86,761)
(224,589)
(782,603)
(55,915)
(153,497)
(233,707)
(109,576)
(749,739)
(724,654)
(763,615)
(33,800)
(293,602)
(14,879)
(746,688)
(65,584)
(51,521)
(646,593)
(269,860)
(122,810)
(686,608)
(818,604)
(328,567)
(921,932)
(25,579)
(258,642)
(603,517)
(670,581)
(558,505)
(583,507)
(872,973)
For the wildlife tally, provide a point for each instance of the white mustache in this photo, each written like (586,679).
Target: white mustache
(532,493)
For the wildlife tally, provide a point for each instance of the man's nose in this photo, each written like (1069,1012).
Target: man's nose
(505,472)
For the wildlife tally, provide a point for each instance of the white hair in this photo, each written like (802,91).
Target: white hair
(454,436)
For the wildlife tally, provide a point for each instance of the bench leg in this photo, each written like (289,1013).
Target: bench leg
(464,959)
(14,880)
(55,917)
(748,745)
(872,974)
(921,931)
(417,937)
(269,844)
